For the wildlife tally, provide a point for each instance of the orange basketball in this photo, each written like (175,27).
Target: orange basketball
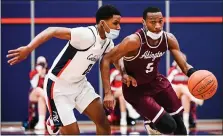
(202,84)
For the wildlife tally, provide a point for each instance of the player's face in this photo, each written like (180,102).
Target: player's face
(112,26)
(154,22)
(113,23)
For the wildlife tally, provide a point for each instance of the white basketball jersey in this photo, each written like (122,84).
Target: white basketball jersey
(80,54)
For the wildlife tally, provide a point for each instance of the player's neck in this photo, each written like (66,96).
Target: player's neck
(153,42)
(101,32)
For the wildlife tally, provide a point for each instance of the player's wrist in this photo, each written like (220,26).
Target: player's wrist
(191,71)
(29,49)
(108,92)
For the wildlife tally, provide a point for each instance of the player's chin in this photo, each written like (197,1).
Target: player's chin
(157,32)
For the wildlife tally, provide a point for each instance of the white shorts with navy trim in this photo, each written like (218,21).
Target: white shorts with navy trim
(62,97)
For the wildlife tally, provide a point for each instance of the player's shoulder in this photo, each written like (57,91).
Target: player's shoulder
(81,29)
(82,35)
(139,30)
(132,39)
(170,36)
(84,32)
(172,41)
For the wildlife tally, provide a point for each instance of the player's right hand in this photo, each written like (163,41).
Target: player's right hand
(127,79)
(109,101)
(17,55)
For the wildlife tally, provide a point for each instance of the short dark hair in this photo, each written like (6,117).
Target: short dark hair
(106,12)
(150,10)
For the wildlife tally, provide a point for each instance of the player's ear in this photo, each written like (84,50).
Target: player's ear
(102,23)
(143,22)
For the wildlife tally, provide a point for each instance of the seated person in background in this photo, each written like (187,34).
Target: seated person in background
(116,87)
(37,94)
(179,83)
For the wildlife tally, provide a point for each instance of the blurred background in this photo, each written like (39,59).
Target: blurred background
(196,24)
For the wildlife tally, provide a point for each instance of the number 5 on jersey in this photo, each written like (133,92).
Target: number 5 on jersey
(149,67)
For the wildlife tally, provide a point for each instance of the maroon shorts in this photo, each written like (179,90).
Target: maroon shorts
(152,100)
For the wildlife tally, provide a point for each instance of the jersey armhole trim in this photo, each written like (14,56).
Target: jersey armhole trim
(106,47)
(96,29)
(94,36)
(134,57)
(167,46)
(80,49)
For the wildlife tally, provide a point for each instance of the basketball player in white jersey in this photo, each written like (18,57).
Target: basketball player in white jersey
(66,86)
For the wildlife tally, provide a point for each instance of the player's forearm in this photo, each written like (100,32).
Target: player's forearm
(188,69)
(120,66)
(41,38)
(105,74)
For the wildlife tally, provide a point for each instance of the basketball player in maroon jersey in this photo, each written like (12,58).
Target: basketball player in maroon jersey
(149,92)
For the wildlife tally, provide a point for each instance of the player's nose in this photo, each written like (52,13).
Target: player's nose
(158,28)
(118,27)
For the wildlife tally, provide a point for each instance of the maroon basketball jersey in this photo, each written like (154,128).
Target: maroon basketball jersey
(144,66)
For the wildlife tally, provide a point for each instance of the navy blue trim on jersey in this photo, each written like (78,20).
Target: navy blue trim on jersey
(54,113)
(68,55)
(81,49)
(106,47)
(94,36)
(96,29)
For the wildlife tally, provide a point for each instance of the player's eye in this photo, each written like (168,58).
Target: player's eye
(115,23)
(153,22)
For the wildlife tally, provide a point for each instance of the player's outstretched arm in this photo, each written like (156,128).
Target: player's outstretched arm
(178,56)
(128,44)
(21,53)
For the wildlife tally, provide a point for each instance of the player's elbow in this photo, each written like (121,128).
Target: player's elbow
(51,30)
(105,61)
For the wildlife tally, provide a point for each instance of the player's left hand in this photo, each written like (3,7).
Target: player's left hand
(127,79)
(17,55)
(109,101)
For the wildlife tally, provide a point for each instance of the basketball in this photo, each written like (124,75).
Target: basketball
(202,84)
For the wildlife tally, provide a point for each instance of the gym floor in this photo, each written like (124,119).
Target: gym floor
(204,127)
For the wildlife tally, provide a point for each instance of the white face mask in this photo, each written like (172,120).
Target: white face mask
(152,35)
(112,34)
